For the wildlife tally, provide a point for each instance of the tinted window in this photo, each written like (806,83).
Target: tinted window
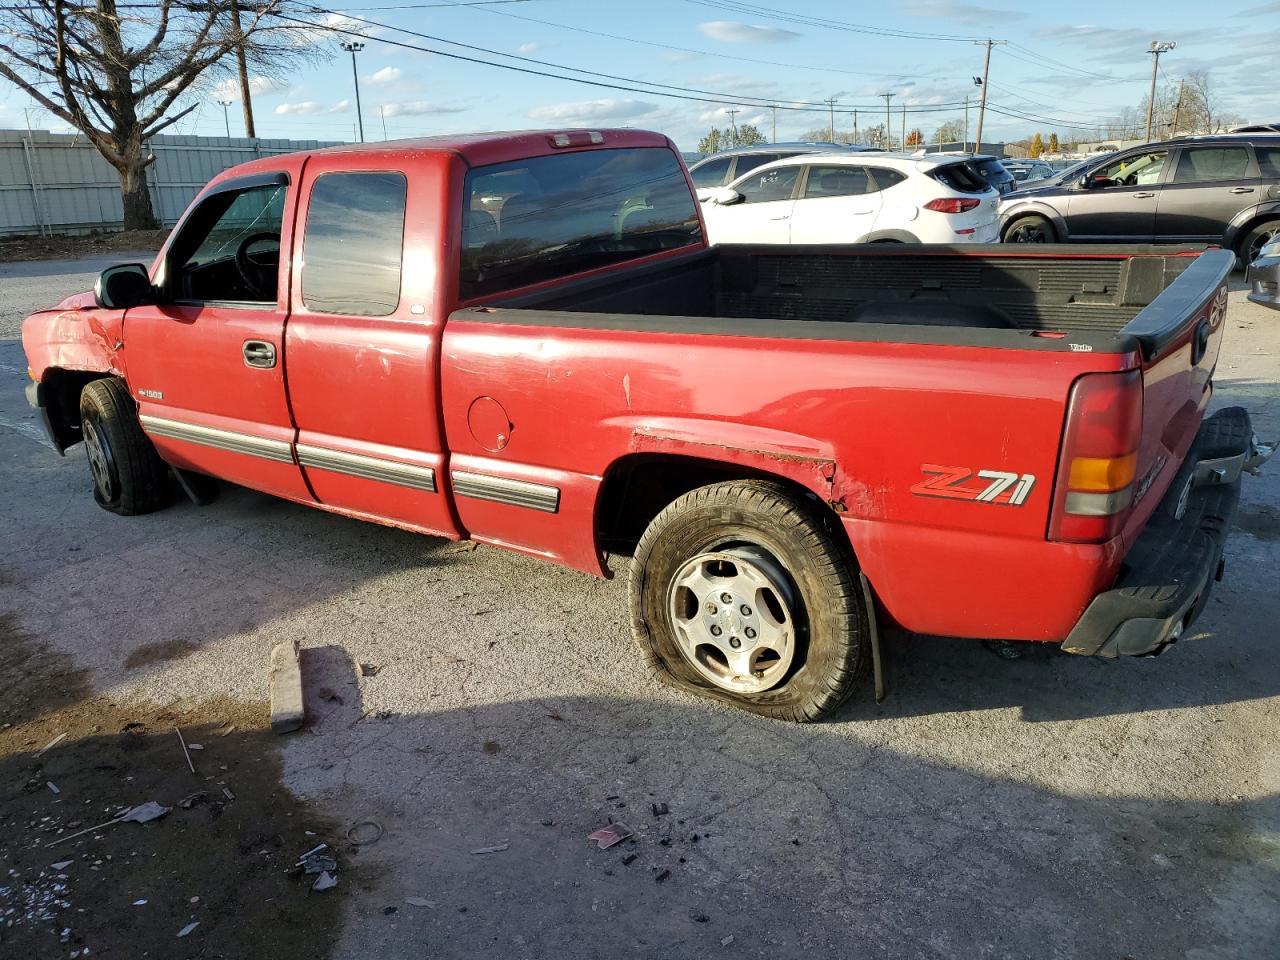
(352,247)
(1268,161)
(749,161)
(1211,163)
(711,173)
(574,212)
(885,178)
(837,182)
(773,184)
(961,177)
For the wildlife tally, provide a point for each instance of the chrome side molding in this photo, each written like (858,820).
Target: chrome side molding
(229,440)
(369,468)
(514,493)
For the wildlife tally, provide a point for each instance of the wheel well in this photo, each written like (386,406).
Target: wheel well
(1243,231)
(62,389)
(1026,215)
(637,488)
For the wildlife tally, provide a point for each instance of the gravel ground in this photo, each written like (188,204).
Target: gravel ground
(1050,806)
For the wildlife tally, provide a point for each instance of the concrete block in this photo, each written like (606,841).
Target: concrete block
(287,711)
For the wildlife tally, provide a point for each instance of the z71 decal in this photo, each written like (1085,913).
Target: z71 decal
(987,486)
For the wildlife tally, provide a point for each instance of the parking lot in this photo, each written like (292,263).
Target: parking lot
(1045,806)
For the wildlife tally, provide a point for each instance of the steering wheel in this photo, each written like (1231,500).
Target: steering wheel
(259,271)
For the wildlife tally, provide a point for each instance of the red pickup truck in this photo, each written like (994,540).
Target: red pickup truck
(523,339)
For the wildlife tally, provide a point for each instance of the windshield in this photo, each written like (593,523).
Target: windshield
(538,219)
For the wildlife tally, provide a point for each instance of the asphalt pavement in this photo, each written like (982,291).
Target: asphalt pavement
(1046,807)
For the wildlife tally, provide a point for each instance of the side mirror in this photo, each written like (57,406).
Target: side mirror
(124,286)
(724,196)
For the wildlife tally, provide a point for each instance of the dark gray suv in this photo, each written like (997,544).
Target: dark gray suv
(1220,189)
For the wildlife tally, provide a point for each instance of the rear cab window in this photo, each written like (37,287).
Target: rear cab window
(543,218)
(353,243)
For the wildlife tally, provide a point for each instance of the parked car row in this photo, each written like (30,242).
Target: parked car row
(1222,190)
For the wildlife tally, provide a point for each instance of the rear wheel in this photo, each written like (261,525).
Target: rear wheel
(1030,229)
(746,592)
(128,475)
(1257,238)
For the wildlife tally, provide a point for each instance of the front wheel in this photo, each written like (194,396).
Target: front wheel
(1032,229)
(128,475)
(1257,238)
(747,592)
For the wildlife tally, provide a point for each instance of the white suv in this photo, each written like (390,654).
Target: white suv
(855,199)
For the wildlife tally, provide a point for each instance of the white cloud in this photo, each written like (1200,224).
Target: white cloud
(305,107)
(531,47)
(593,111)
(731,31)
(417,108)
(384,76)
(342,106)
(229,89)
(967,13)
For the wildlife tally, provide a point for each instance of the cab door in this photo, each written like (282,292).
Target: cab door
(205,363)
(1120,203)
(363,340)
(763,215)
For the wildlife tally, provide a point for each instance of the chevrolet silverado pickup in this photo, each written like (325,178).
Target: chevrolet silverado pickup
(524,340)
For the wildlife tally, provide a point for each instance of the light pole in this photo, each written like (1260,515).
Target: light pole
(888,137)
(733,123)
(831,119)
(226,122)
(353,47)
(1157,47)
(982,101)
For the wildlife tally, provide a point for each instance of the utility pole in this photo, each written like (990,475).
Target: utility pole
(1157,47)
(382,112)
(904,126)
(831,119)
(982,103)
(242,69)
(1177,109)
(855,124)
(774,108)
(887,135)
(733,112)
(965,149)
(353,47)
(225,116)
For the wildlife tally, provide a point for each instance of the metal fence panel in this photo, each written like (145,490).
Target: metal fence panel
(58,183)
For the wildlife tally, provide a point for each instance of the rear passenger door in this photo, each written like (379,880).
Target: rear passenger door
(1209,186)
(838,204)
(363,340)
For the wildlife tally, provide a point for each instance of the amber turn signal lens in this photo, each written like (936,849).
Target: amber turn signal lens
(1102,473)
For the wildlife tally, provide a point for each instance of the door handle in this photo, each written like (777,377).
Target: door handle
(1242,189)
(259,353)
(1143,196)
(785,216)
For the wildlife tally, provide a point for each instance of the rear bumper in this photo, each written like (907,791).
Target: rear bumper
(1264,281)
(1166,578)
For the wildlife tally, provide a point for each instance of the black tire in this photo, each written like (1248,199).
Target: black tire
(1259,236)
(1032,228)
(129,477)
(831,649)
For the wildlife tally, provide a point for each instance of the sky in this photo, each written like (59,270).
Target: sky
(1065,65)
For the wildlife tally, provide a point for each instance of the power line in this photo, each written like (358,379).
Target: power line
(772,13)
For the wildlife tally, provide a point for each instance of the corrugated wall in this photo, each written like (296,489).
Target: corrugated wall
(51,182)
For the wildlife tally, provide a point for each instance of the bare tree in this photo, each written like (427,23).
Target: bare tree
(116,72)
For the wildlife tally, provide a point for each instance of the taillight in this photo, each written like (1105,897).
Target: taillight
(951,205)
(1099,457)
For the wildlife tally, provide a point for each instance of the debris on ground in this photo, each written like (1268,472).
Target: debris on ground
(420,902)
(50,745)
(53,787)
(364,832)
(191,799)
(186,931)
(614,833)
(370,669)
(145,812)
(662,876)
(660,809)
(326,881)
(629,859)
(288,711)
(185,752)
(725,941)
(61,865)
(496,848)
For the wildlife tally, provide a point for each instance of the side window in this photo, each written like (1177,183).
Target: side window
(749,161)
(837,182)
(711,173)
(1268,161)
(229,248)
(1198,164)
(773,184)
(1136,170)
(353,244)
(886,178)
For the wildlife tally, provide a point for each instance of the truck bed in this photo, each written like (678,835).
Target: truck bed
(1099,297)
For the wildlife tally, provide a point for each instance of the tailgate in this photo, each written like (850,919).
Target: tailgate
(1179,334)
